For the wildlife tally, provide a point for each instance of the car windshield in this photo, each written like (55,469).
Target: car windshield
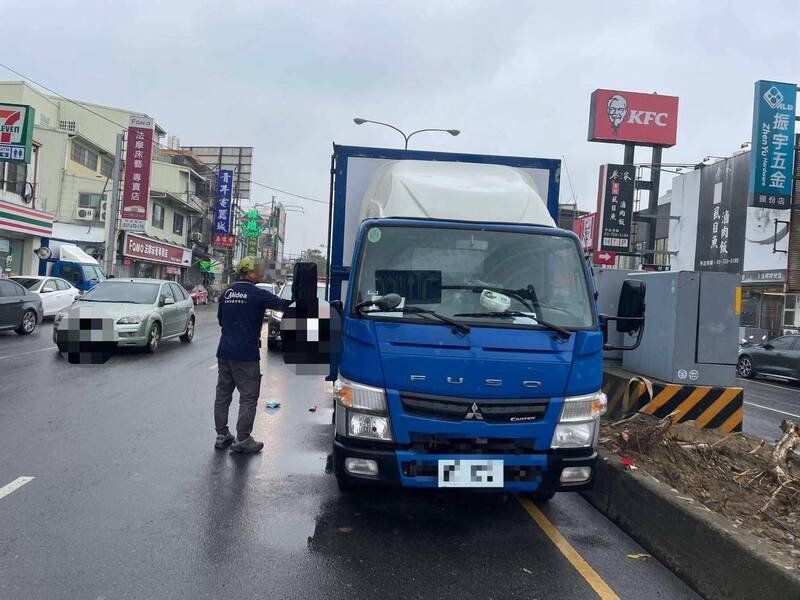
(475,276)
(123,291)
(27,282)
(92,273)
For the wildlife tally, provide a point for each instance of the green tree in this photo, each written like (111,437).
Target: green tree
(316,256)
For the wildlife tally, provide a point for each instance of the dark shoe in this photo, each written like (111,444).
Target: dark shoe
(223,440)
(247,445)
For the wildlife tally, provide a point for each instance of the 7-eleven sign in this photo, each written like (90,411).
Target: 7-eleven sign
(16,132)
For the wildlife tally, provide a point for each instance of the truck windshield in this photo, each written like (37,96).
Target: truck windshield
(476,276)
(92,273)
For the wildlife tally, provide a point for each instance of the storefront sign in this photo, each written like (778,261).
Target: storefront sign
(772,147)
(224,241)
(25,220)
(615,207)
(16,132)
(252,246)
(222,211)
(136,192)
(142,248)
(605,258)
(584,228)
(645,119)
(172,270)
(776,276)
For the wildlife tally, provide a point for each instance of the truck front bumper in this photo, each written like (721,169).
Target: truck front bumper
(537,472)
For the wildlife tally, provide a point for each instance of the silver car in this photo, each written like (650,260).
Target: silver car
(130,312)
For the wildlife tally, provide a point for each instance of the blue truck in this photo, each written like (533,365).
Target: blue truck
(68,261)
(472,349)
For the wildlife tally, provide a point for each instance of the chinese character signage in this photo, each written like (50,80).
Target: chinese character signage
(645,119)
(615,207)
(143,248)
(252,246)
(584,229)
(721,216)
(222,240)
(222,210)
(16,133)
(772,145)
(136,190)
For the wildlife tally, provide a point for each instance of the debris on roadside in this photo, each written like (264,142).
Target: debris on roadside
(753,484)
(312,408)
(273,404)
(639,556)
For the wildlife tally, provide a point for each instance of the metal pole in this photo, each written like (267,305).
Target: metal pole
(629,150)
(652,204)
(112,210)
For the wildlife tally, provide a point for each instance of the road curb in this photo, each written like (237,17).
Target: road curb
(707,551)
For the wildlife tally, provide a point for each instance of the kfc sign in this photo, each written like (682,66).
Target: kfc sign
(620,117)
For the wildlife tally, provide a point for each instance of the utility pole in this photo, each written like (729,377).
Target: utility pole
(112,212)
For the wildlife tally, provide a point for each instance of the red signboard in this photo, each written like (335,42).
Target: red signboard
(224,241)
(646,119)
(136,192)
(142,248)
(172,270)
(584,229)
(605,258)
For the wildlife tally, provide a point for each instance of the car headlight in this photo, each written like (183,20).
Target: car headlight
(583,408)
(359,396)
(133,320)
(368,426)
(574,435)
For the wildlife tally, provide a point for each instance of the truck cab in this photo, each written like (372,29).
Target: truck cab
(471,348)
(70,262)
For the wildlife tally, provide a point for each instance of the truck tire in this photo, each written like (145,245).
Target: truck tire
(28,323)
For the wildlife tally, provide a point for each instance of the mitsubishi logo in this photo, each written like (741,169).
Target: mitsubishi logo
(474,413)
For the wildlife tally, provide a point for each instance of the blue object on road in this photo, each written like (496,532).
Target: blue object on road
(273,404)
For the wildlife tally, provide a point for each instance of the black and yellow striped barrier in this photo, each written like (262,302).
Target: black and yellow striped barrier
(710,407)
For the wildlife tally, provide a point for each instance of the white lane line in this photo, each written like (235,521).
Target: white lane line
(772,385)
(14,486)
(31,352)
(772,409)
(212,367)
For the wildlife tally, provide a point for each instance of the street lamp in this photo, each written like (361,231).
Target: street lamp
(360,121)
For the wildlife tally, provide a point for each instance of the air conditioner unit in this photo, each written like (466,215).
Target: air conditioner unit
(86,214)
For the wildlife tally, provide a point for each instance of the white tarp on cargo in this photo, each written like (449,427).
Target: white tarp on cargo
(70,253)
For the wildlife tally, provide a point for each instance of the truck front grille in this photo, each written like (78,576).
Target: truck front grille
(425,443)
(457,409)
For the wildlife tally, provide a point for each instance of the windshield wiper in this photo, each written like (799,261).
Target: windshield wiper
(458,328)
(563,334)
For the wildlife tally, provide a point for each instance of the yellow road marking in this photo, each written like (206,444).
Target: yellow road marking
(717,406)
(661,399)
(588,573)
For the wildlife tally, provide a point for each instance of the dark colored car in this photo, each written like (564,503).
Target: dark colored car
(20,309)
(779,357)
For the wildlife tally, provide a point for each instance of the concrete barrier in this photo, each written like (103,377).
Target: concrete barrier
(718,560)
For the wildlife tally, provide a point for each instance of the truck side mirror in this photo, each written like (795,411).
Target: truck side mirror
(604,328)
(631,306)
(388,302)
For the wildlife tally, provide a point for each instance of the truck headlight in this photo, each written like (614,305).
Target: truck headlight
(583,408)
(573,435)
(359,396)
(368,426)
(129,321)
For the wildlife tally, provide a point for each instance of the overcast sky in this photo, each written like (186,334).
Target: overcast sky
(515,77)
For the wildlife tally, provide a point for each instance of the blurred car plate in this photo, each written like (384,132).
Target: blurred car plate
(470,473)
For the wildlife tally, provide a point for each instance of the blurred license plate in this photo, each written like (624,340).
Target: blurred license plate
(463,473)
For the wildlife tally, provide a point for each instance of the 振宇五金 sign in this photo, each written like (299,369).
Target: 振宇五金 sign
(222,210)
(615,207)
(16,132)
(772,149)
(633,117)
(136,191)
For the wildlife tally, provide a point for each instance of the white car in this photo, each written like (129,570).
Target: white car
(56,293)
(272,288)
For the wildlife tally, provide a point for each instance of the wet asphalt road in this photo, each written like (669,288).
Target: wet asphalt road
(767,403)
(130,500)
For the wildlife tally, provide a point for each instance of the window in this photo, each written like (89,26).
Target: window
(9,288)
(783,343)
(106,166)
(177,223)
(61,284)
(49,286)
(86,200)
(84,155)
(158,216)
(67,126)
(791,310)
(15,178)
(166,292)
(177,292)
(92,273)
(122,291)
(71,273)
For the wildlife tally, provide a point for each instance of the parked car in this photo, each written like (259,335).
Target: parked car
(272,288)
(779,357)
(142,312)
(274,317)
(56,293)
(20,309)
(199,295)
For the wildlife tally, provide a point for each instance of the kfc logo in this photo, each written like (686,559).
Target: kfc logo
(648,119)
(617,109)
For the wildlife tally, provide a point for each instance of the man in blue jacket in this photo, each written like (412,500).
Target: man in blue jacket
(241,315)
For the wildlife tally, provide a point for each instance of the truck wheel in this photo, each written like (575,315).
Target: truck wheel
(540,497)
(153,338)
(28,323)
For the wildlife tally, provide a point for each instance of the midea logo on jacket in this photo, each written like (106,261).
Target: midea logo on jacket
(617,109)
(231,294)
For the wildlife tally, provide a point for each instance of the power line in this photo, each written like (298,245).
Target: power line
(125,127)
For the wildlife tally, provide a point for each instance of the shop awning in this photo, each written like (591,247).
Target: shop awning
(20,219)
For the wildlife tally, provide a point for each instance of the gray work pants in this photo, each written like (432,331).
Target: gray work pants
(246,377)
